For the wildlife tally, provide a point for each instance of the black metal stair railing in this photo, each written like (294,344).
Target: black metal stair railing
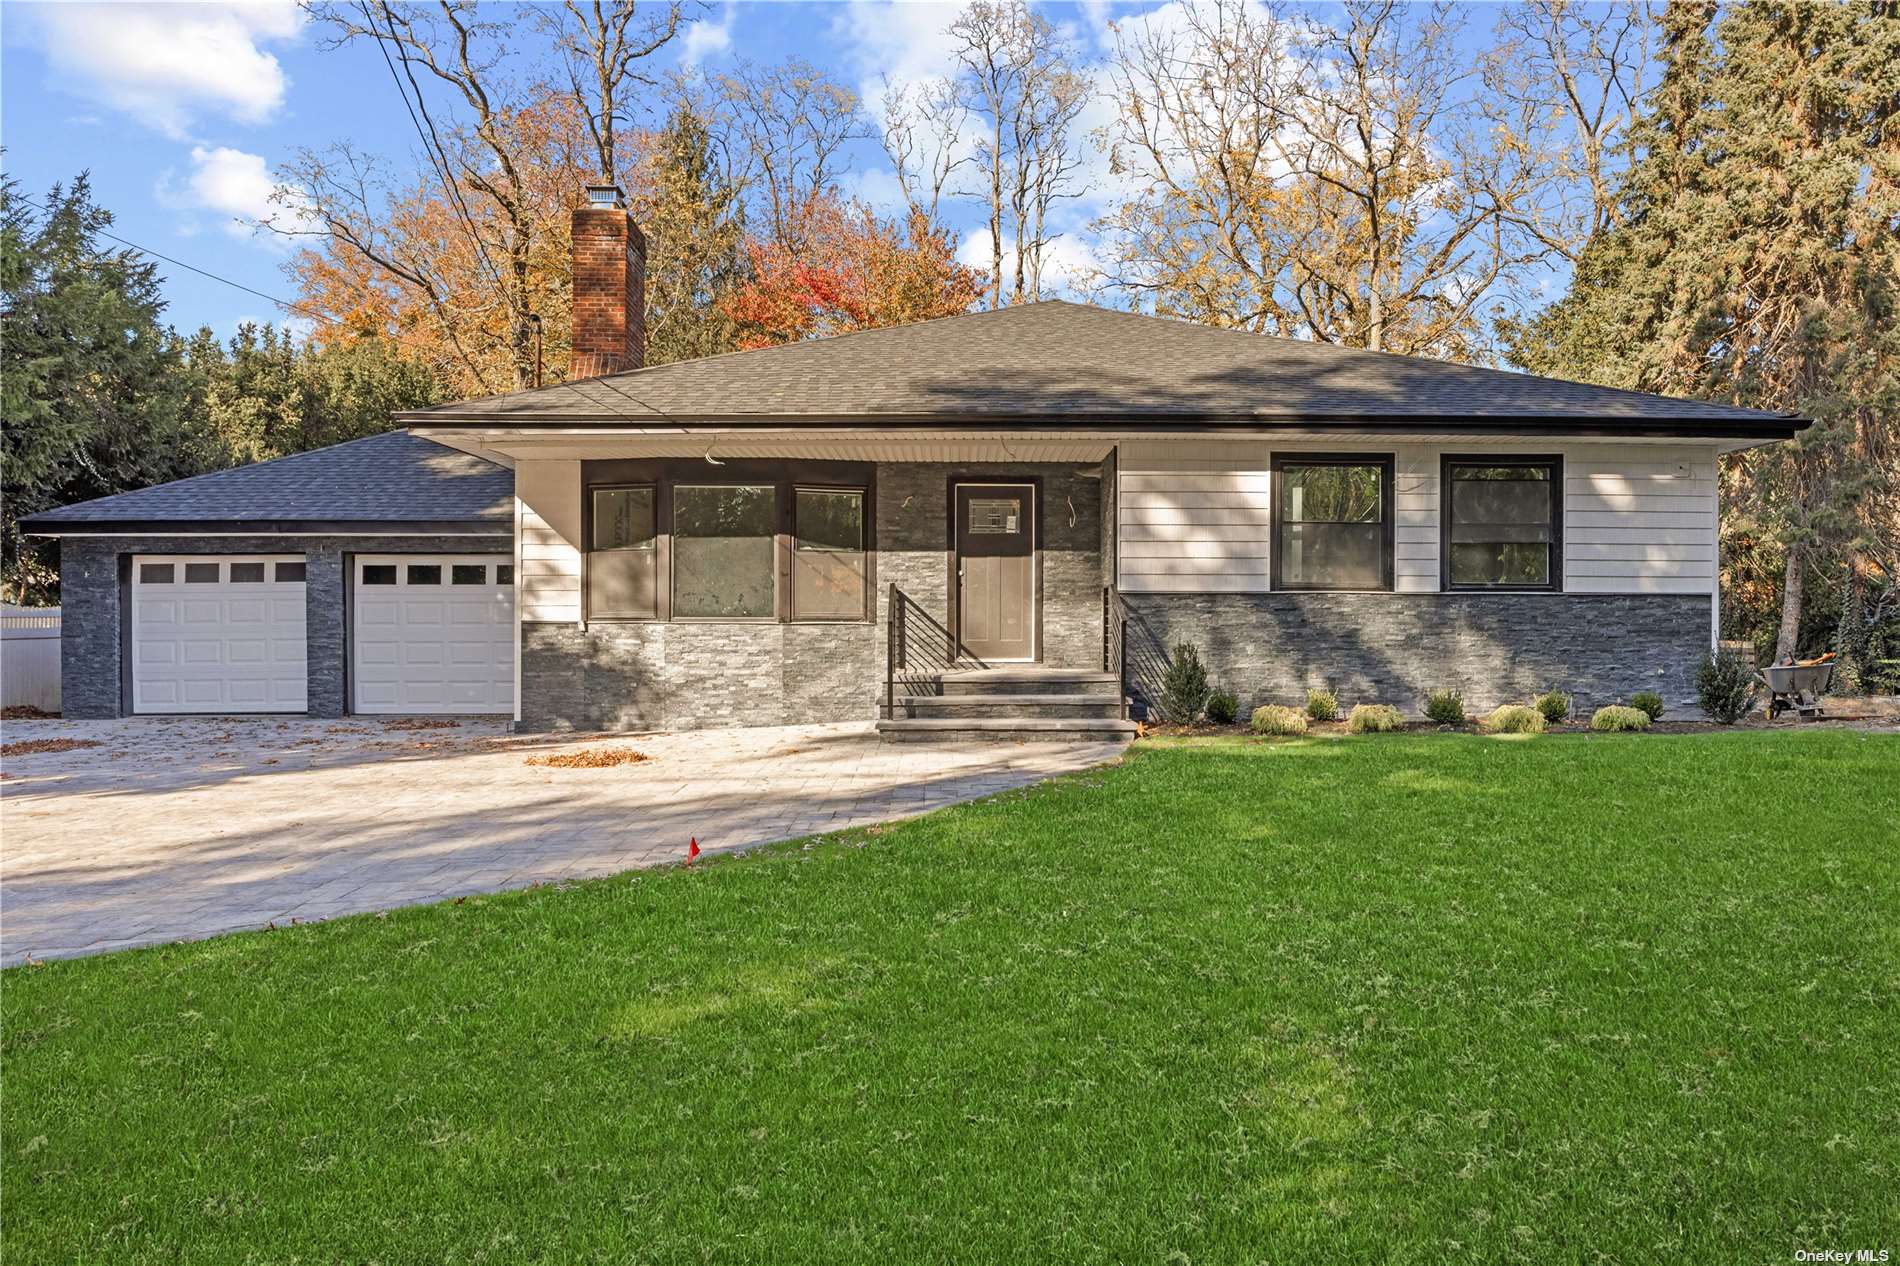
(918,651)
(1131,649)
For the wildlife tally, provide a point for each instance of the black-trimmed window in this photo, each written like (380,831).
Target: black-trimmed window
(1501,523)
(623,566)
(1332,521)
(827,554)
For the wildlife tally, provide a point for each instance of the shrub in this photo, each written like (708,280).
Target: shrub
(1374,718)
(1554,706)
(1514,718)
(1447,707)
(1725,686)
(1184,686)
(1222,707)
(1273,719)
(1616,717)
(1648,701)
(1322,705)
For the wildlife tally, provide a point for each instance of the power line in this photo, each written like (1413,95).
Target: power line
(314,315)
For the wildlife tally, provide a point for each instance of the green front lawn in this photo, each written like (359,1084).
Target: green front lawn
(1402,999)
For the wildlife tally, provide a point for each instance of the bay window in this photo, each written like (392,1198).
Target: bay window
(744,540)
(1502,523)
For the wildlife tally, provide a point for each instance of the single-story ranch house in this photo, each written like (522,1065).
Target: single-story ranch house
(980,523)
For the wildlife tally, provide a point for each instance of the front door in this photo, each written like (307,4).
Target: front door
(996,570)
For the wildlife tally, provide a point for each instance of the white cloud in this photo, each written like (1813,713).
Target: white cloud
(1067,262)
(707,39)
(235,187)
(168,64)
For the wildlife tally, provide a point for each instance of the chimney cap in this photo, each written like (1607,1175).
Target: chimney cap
(606,196)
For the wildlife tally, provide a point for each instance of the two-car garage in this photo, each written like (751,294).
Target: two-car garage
(428,633)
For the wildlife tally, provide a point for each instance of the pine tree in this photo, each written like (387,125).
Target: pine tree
(1758,261)
(695,227)
(91,400)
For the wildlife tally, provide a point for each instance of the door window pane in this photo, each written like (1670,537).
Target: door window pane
(155,573)
(724,541)
(379,573)
(289,573)
(201,573)
(1331,527)
(468,574)
(504,573)
(1502,524)
(425,573)
(828,562)
(247,573)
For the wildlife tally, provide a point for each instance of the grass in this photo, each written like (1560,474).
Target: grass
(1396,999)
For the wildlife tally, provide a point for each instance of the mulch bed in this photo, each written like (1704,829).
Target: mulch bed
(26,712)
(593,758)
(27,747)
(423,723)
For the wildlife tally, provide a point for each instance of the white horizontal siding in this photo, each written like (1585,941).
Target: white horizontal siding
(548,578)
(1638,518)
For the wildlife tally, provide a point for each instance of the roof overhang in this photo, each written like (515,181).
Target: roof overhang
(261,527)
(433,425)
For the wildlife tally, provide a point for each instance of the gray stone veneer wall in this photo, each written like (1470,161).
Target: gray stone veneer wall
(687,675)
(93,569)
(1394,647)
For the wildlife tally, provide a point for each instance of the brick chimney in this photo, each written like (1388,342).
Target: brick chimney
(610,286)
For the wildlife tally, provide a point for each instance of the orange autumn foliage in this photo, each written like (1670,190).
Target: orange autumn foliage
(852,271)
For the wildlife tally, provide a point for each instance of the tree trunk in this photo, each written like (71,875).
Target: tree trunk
(1790,607)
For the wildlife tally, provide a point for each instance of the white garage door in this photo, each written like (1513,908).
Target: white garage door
(218,633)
(433,633)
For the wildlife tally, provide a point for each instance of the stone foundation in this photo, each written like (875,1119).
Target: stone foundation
(1395,647)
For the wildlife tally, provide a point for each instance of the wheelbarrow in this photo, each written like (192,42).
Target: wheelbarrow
(1798,687)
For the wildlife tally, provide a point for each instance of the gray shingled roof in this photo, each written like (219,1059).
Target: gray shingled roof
(1081,364)
(394,479)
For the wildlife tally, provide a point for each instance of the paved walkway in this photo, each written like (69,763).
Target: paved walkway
(177,828)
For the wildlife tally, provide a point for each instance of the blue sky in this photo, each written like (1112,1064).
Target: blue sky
(182,112)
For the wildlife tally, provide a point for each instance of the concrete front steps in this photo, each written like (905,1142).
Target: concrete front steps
(1017,704)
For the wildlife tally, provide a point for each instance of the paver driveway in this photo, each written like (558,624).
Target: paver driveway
(174,828)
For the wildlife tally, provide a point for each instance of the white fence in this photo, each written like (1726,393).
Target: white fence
(29,658)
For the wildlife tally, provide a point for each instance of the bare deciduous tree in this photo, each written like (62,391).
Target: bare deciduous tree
(1018,78)
(792,124)
(602,48)
(1565,81)
(923,135)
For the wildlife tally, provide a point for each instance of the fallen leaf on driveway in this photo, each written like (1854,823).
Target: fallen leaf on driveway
(26,747)
(423,723)
(593,758)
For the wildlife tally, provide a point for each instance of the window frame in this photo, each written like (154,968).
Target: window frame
(1553,462)
(1279,464)
(786,477)
(863,550)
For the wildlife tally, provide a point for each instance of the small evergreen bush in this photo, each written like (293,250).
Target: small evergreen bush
(1648,701)
(1274,719)
(1554,706)
(1725,686)
(1616,717)
(1322,705)
(1374,718)
(1514,718)
(1184,686)
(1222,707)
(1447,707)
